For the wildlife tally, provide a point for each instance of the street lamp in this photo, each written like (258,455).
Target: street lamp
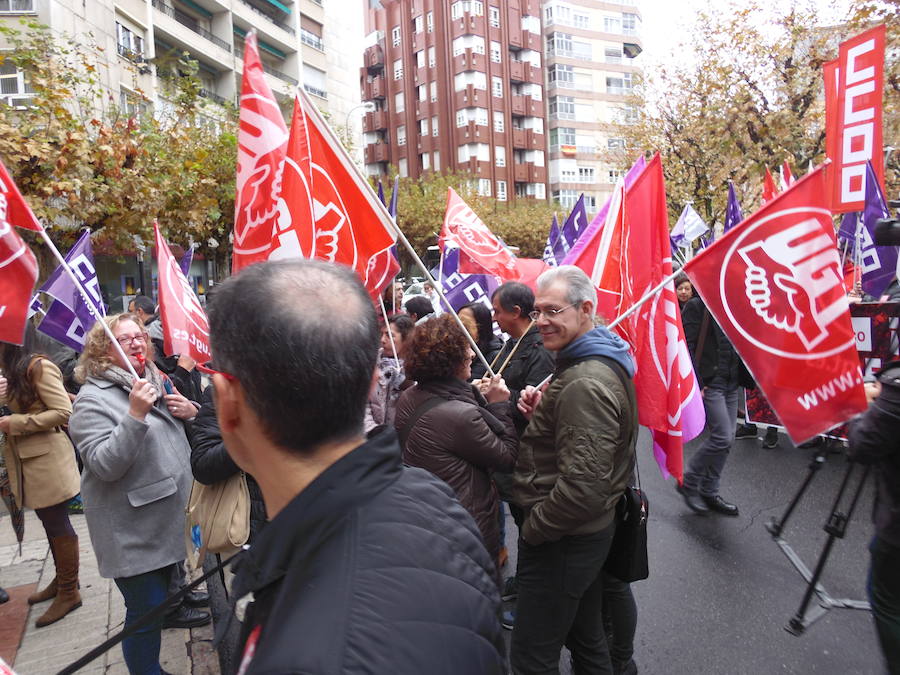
(368,106)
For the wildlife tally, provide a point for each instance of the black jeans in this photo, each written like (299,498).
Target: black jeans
(561,603)
(884,595)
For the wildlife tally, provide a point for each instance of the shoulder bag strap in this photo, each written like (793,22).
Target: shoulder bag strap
(629,392)
(417,413)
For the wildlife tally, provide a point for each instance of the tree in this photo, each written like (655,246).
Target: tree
(82,161)
(751,97)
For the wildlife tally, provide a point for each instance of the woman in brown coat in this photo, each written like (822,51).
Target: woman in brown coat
(449,428)
(41,463)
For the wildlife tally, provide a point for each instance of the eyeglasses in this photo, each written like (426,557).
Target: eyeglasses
(212,371)
(126,340)
(548,313)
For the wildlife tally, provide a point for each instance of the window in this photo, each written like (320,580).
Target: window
(581,21)
(130,103)
(13,6)
(582,50)
(434,125)
(481,117)
(501,190)
(432,59)
(560,44)
(615,143)
(498,121)
(457,9)
(562,76)
(495,52)
(461,118)
(436,162)
(464,42)
(395,36)
(532,24)
(484,187)
(566,198)
(612,55)
(425,161)
(398,69)
(433,87)
(422,93)
(128,43)
(479,151)
(562,108)
(470,78)
(315,41)
(420,58)
(494,16)
(614,175)
(401,135)
(629,24)
(584,112)
(536,92)
(315,81)
(399,102)
(423,127)
(500,156)
(562,136)
(585,174)
(612,24)
(615,85)
(403,167)
(497,86)
(418,24)
(429,22)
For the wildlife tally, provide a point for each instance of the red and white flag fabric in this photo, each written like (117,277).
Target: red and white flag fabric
(774,285)
(262,141)
(18,267)
(185,326)
(854,90)
(787,178)
(769,189)
(481,252)
(327,210)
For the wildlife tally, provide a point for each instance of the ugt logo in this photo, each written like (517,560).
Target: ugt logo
(792,285)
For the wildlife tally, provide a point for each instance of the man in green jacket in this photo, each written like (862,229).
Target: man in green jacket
(575,459)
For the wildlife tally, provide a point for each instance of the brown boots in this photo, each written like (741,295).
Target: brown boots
(64,587)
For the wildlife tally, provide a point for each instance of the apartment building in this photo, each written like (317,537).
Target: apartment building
(134,34)
(591,55)
(457,85)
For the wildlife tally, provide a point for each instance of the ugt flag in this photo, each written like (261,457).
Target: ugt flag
(18,267)
(480,249)
(70,316)
(186,328)
(262,140)
(774,285)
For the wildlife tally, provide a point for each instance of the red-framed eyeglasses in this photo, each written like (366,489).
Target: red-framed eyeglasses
(210,371)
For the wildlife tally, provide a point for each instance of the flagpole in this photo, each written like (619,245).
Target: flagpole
(311,109)
(88,301)
(387,327)
(513,350)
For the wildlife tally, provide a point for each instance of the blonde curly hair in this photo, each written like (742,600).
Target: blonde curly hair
(95,358)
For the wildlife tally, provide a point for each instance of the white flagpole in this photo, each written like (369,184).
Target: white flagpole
(88,301)
(376,204)
(387,327)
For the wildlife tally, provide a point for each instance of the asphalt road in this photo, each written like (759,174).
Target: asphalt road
(721,591)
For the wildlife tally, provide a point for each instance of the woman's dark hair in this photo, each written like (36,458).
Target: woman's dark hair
(403,323)
(485,322)
(680,279)
(437,349)
(14,362)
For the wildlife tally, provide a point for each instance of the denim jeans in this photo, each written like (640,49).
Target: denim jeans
(142,593)
(620,620)
(561,603)
(705,468)
(884,595)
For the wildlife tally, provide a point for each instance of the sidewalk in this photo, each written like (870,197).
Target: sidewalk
(44,651)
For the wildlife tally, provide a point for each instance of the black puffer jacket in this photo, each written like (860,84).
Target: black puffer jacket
(530,365)
(461,442)
(718,360)
(373,568)
(210,462)
(874,440)
(490,351)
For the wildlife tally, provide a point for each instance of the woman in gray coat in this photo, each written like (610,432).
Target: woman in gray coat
(137,474)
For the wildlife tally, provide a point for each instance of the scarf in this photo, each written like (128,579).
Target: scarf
(124,379)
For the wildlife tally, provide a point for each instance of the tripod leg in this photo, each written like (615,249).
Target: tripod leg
(774,526)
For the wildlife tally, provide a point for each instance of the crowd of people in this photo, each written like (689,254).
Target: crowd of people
(380,454)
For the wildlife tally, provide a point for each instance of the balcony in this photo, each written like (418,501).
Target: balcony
(468,24)
(373,57)
(375,121)
(517,71)
(468,60)
(191,23)
(213,96)
(311,39)
(378,152)
(474,166)
(470,96)
(528,172)
(531,41)
(374,88)
(281,76)
(525,106)
(472,131)
(526,139)
(276,22)
(315,91)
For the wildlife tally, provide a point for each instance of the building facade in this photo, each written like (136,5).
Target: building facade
(591,56)
(457,85)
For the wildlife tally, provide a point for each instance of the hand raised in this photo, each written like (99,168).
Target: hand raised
(141,399)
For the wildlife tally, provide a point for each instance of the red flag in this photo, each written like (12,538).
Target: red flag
(529,270)
(480,251)
(262,139)
(774,285)
(787,178)
(853,118)
(769,190)
(185,327)
(380,272)
(18,267)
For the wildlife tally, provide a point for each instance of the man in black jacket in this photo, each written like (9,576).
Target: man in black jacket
(874,440)
(365,565)
(718,369)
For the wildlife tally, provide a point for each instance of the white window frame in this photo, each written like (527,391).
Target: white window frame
(398,69)
(434,125)
(499,156)
(395,36)
(494,16)
(496,52)
(496,86)
(429,22)
(501,191)
(499,125)
(399,102)
(401,135)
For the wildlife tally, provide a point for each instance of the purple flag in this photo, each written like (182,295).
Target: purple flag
(392,207)
(472,288)
(575,224)
(587,234)
(879,263)
(549,256)
(381,192)
(186,261)
(733,214)
(61,324)
(60,286)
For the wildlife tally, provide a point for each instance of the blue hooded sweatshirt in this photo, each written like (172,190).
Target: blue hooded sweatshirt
(598,341)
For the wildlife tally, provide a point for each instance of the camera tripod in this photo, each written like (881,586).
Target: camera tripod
(836,528)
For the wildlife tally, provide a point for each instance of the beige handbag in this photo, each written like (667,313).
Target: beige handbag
(218,518)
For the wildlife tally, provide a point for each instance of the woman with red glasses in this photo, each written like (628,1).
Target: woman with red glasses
(137,474)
